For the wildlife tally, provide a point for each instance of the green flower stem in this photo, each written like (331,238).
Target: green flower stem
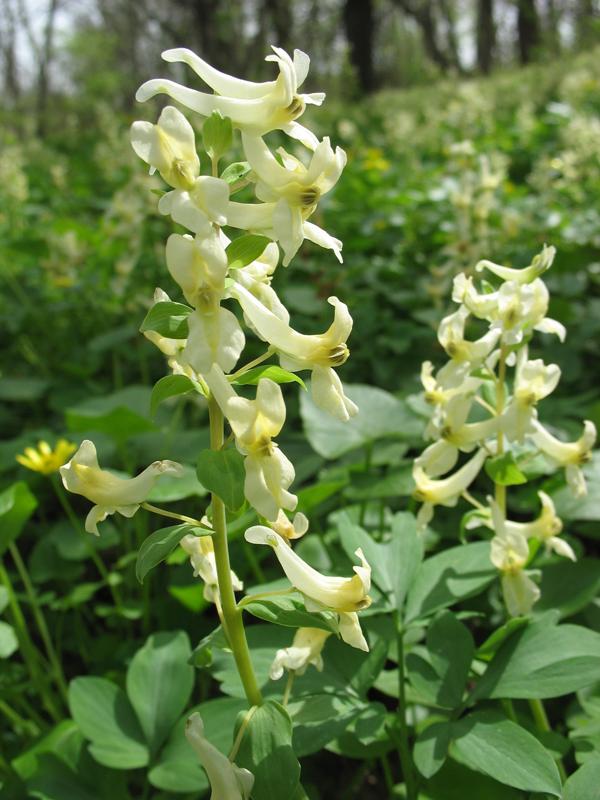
(387,774)
(172,515)
(40,621)
(27,726)
(403,743)
(63,499)
(288,688)
(500,491)
(28,650)
(232,615)
(542,723)
(254,363)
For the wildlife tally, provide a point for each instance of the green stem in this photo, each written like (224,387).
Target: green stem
(500,491)
(27,648)
(17,720)
(288,688)
(387,774)
(172,515)
(63,499)
(40,621)
(232,615)
(403,743)
(251,598)
(542,723)
(254,363)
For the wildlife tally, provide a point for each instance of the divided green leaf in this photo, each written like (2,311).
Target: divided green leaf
(503,469)
(170,386)
(270,371)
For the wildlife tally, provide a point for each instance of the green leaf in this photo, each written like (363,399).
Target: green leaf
(17,504)
(380,415)
(393,563)
(159,545)
(178,767)
(450,649)
(245,249)
(120,415)
(266,750)
(543,660)
(503,470)
(217,135)
(320,718)
(159,684)
(431,748)
(583,784)
(455,782)
(22,390)
(105,717)
(488,742)
(448,577)
(235,171)
(270,371)
(168,319)
(289,612)
(8,640)
(169,386)
(55,780)
(222,473)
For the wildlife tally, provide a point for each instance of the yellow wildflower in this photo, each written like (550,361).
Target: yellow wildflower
(46,460)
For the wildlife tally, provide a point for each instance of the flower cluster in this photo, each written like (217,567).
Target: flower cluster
(476,410)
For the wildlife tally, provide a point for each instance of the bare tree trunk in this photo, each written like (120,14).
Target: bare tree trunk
(486,35)
(44,67)
(448,11)
(528,29)
(422,11)
(280,12)
(585,14)
(551,23)
(9,58)
(359,26)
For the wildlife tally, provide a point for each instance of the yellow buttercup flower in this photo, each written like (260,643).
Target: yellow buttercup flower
(44,459)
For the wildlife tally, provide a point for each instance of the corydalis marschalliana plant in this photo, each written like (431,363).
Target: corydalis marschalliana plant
(480,411)
(203,340)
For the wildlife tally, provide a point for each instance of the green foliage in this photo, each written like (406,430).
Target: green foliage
(17,504)
(157,547)
(222,472)
(245,249)
(266,750)
(167,319)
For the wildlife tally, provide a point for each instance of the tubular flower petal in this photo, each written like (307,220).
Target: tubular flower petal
(570,455)
(320,591)
(214,338)
(541,262)
(277,221)
(202,558)
(44,459)
(304,651)
(509,554)
(317,352)
(451,336)
(198,265)
(206,202)
(169,147)
(110,494)
(256,278)
(254,107)
(290,529)
(534,380)
(227,780)
(546,527)
(255,423)
(444,491)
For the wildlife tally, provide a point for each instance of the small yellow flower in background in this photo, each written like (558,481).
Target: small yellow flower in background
(44,459)
(375,161)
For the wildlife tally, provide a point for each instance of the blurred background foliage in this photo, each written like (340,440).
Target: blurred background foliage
(472,130)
